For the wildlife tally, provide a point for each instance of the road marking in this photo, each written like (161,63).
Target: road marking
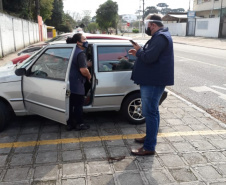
(201,62)
(219,87)
(206,89)
(105,138)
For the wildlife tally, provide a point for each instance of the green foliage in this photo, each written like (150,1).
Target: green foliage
(107,14)
(57,15)
(46,7)
(92,27)
(135,30)
(19,8)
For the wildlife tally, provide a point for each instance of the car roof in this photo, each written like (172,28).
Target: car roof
(97,36)
(93,41)
(104,36)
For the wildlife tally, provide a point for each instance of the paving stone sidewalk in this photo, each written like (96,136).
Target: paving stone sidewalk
(191,150)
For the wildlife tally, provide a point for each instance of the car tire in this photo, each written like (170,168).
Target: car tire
(3,115)
(131,109)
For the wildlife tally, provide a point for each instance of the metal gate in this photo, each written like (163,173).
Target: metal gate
(191,27)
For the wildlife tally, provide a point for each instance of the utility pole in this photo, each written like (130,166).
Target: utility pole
(189,4)
(143,21)
(143,10)
(221,22)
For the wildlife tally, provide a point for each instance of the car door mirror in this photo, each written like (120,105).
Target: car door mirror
(20,71)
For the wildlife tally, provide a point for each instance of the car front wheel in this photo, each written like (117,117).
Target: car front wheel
(132,110)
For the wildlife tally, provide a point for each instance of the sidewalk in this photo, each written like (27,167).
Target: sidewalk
(195,41)
(191,150)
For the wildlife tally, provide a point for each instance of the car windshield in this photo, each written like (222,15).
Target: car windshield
(26,62)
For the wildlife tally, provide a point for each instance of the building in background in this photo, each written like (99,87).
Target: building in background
(209,8)
(51,32)
(129,17)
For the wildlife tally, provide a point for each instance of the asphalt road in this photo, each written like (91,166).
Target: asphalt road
(200,77)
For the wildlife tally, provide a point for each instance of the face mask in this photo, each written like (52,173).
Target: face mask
(148,31)
(85,44)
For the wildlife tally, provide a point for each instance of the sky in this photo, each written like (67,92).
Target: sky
(125,6)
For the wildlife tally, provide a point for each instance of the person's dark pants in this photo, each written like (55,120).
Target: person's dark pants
(150,97)
(76,109)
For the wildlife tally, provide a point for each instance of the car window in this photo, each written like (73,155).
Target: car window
(115,58)
(26,62)
(52,64)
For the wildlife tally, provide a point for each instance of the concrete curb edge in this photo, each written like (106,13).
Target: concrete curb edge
(197,108)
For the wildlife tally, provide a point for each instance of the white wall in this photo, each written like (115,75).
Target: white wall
(178,29)
(207,27)
(7,35)
(16,33)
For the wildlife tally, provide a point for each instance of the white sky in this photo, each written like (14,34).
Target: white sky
(125,6)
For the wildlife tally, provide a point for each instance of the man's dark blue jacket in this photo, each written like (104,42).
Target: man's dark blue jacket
(155,61)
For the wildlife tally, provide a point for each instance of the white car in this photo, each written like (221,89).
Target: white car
(41,85)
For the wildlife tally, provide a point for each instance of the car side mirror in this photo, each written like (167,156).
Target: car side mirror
(20,72)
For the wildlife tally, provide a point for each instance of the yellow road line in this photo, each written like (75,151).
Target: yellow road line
(105,138)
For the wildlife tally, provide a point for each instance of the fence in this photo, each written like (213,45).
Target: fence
(177,29)
(207,27)
(16,33)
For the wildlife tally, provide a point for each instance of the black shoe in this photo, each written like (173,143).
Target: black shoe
(82,127)
(69,127)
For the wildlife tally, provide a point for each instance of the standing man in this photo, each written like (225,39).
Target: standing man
(77,78)
(153,71)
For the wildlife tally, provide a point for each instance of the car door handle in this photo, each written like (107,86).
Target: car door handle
(96,81)
(68,92)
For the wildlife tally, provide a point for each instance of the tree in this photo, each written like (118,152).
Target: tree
(57,15)
(19,8)
(163,5)
(1,6)
(46,7)
(106,15)
(86,20)
(68,23)
(92,27)
(150,10)
(29,9)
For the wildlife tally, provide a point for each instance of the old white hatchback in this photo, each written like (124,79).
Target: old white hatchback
(41,83)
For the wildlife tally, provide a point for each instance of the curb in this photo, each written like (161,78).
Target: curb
(198,109)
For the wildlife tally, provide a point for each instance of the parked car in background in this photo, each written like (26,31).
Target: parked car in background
(13,62)
(41,84)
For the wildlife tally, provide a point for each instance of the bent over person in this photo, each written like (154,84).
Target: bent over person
(77,78)
(153,71)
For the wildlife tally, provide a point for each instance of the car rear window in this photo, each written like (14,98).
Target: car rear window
(115,58)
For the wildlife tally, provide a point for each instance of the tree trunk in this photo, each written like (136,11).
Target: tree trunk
(37,7)
(1,6)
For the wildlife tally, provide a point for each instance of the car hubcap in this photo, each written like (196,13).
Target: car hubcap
(135,109)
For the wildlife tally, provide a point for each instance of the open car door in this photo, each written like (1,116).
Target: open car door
(46,86)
